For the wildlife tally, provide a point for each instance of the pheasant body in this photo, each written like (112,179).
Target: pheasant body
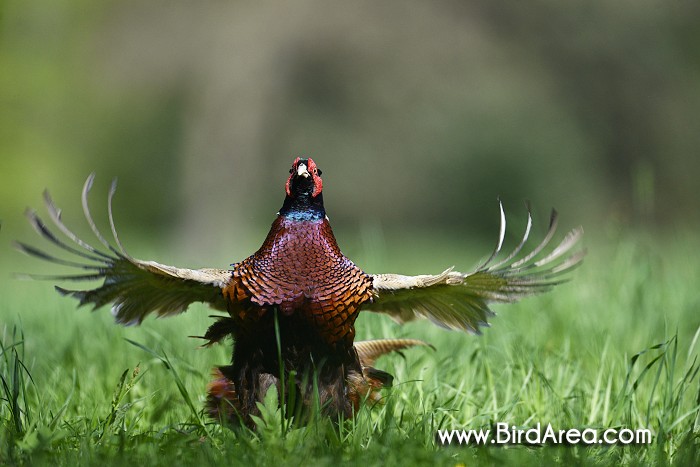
(300,271)
(291,306)
(300,282)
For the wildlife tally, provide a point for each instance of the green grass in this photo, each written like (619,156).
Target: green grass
(617,347)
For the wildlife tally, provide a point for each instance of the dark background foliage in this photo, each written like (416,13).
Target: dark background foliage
(421,114)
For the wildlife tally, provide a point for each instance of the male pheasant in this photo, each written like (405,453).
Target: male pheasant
(296,300)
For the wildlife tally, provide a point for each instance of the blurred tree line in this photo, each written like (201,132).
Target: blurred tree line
(419,113)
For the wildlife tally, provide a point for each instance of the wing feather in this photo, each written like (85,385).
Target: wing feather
(369,351)
(136,288)
(460,301)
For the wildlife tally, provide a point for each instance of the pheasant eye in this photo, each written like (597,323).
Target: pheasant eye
(291,171)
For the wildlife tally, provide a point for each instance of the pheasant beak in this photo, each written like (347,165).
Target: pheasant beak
(302,171)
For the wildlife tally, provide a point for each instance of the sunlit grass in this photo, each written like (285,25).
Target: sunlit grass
(616,347)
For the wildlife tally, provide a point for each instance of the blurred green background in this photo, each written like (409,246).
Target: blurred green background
(420,114)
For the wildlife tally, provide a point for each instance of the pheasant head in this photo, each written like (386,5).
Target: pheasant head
(304,200)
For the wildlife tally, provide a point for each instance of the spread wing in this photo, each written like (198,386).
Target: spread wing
(457,300)
(136,288)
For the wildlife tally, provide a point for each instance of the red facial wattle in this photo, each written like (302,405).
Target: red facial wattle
(314,173)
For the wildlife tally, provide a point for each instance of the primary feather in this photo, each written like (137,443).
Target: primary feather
(457,300)
(134,287)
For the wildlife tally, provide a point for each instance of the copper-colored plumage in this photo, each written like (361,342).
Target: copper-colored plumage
(300,282)
(300,270)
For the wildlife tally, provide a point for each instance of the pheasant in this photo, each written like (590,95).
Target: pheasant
(291,306)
